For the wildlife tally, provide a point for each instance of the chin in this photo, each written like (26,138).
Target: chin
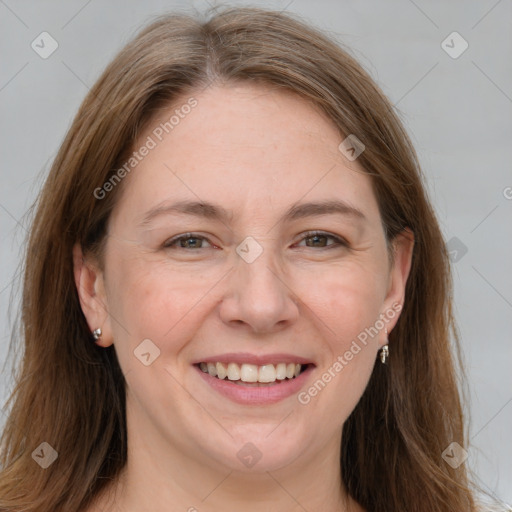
(258,449)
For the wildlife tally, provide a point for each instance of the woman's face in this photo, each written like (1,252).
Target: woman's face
(276,269)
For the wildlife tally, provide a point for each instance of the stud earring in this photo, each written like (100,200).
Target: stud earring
(96,334)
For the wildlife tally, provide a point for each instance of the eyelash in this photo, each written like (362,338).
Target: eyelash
(310,234)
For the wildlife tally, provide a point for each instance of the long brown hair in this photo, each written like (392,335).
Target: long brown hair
(70,393)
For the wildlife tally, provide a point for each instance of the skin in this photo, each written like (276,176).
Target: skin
(255,151)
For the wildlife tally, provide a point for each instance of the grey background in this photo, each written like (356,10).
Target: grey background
(457,111)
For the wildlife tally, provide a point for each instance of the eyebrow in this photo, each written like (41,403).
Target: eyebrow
(215,212)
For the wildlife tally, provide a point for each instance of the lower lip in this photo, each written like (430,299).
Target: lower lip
(257,395)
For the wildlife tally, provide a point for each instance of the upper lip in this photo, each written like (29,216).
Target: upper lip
(258,360)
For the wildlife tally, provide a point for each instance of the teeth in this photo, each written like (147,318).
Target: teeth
(222,371)
(211,369)
(233,371)
(267,373)
(251,372)
(281,371)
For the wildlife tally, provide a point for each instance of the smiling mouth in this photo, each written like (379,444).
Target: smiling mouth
(253,375)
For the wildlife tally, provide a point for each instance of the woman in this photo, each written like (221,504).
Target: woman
(236,292)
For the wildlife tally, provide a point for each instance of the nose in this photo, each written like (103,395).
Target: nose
(259,298)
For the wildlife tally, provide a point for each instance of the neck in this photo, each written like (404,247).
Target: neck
(159,477)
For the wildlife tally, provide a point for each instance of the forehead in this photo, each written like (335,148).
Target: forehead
(249,148)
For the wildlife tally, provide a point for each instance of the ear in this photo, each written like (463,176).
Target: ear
(91,292)
(403,246)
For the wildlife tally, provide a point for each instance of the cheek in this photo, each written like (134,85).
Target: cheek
(154,306)
(349,350)
(347,300)
(339,390)
(150,299)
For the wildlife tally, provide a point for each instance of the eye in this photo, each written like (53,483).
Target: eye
(184,240)
(319,239)
(193,241)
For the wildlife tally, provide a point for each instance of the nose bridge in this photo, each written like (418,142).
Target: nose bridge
(259,294)
(258,267)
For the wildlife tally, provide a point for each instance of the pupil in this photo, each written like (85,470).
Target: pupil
(316,237)
(187,241)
